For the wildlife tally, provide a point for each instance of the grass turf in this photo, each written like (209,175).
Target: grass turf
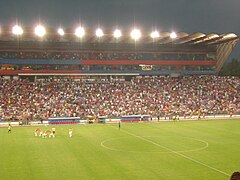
(188,150)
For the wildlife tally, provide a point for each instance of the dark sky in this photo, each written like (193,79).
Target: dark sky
(218,16)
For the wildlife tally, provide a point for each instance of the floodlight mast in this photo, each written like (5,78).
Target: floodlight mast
(61,32)
(135,34)
(40,30)
(173,35)
(117,33)
(80,32)
(155,34)
(17,30)
(99,33)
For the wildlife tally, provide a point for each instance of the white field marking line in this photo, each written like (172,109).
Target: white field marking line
(191,150)
(175,152)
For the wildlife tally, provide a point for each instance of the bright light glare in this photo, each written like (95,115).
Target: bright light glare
(99,32)
(117,33)
(155,34)
(61,32)
(17,30)
(173,35)
(80,32)
(135,34)
(40,30)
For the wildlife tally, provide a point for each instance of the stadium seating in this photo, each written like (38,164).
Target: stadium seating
(155,96)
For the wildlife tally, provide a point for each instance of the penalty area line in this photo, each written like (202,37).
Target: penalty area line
(175,152)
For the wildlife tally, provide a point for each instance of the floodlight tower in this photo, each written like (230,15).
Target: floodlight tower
(154,35)
(40,31)
(135,34)
(17,31)
(80,32)
(173,35)
(99,33)
(117,34)
(61,32)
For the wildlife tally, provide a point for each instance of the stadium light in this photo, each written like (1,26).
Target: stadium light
(40,30)
(173,35)
(117,33)
(61,32)
(80,32)
(99,32)
(135,34)
(17,30)
(155,34)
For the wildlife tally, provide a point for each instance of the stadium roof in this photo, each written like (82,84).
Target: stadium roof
(223,44)
(108,36)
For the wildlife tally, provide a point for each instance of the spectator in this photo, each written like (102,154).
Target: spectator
(184,96)
(235,176)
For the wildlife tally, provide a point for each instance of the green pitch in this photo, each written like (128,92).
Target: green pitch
(193,150)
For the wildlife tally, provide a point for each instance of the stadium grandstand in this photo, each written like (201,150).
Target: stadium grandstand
(44,51)
(47,73)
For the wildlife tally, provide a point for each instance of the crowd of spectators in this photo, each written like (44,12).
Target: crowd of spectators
(158,96)
(101,55)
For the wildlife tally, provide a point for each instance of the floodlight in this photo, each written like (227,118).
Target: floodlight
(17,30)
(40,31)
(99,32)
(117,33)
(173,35)
(155,34)
(80,32)
(135,34)
(61,32)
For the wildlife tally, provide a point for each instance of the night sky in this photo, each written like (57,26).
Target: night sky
(207,16)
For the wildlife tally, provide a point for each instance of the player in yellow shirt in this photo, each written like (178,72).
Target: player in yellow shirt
(38,132)
(70,132)
(9,128)
(53,131)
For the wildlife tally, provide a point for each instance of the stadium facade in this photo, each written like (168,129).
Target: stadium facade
(166,54)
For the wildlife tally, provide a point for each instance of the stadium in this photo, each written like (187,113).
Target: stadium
(138,104)
(46,51)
